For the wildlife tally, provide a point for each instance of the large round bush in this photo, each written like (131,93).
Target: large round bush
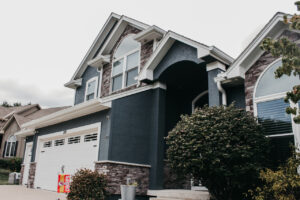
(88,185)
(224,147)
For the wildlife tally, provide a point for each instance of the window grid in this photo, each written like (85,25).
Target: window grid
(74,140)
(90,137)
(59,142)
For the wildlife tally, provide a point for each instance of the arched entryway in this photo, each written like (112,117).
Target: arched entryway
(184,80)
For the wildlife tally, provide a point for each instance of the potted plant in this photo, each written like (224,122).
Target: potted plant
(128,190)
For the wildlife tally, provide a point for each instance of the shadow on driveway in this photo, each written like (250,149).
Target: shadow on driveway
(16,192)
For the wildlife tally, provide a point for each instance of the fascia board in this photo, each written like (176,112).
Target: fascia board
(231,72)
(105,30)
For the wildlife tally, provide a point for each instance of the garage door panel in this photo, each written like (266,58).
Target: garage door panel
(72,155)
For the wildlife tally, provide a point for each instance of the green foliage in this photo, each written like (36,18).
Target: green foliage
(12,164)
(224,147)
(283,184)
(6,104)
(290,53)
(88,185)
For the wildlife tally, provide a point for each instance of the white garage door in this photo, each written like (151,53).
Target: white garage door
(69,152)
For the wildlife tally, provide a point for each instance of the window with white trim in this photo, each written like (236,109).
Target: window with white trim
(125,64)
(11,147)
(270,109)
(91,89)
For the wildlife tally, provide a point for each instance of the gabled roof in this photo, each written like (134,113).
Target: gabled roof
(166,43)
(32,116)
(104,41)
(248,57)
(15,110)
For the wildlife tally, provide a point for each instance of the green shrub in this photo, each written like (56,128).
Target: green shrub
(88,185)
(283,184)
(12,164)
(224,147)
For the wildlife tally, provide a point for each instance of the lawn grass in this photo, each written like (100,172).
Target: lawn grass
(4,176)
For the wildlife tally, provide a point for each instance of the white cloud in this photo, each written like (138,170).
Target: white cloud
(13,91)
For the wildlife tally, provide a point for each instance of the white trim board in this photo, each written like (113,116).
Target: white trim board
(123,163)
(166,43)
(274,29)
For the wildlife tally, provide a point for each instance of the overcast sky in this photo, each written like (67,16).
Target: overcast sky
(42,42)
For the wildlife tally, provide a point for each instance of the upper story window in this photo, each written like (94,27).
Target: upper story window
(10,149)
(125,64)
(91,89)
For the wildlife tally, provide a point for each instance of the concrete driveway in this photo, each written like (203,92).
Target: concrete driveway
(16,192)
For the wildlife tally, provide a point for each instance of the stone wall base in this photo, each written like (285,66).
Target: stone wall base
(31,175)
(118,172)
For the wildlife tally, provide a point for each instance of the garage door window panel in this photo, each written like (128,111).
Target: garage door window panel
(59,142)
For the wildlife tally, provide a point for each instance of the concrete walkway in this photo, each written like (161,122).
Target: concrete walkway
(16,192)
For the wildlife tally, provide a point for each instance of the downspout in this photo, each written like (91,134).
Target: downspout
(221,89)
(218,80)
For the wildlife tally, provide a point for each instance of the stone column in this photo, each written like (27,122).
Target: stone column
(31,175)
(214,96)
(22,173)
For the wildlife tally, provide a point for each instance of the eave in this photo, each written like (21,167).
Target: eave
(76,111)
(166,43)
(99,61)
(73,84)
(252,52)
(152,33)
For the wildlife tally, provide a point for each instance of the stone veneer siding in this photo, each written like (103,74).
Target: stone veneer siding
(117,174)
(31,175)
(146,51)
(258,67)
(21,174)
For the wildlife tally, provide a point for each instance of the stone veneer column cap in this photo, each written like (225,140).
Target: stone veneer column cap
(122,163)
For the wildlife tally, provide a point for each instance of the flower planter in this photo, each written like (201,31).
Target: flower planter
(128,192)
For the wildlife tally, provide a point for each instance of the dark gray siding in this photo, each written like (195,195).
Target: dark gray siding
(102,117)
(237,95)
(177,53)
(137,131)
(89,73)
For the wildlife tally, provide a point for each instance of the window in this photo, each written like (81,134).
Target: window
(47,144)
(91,89)
(11,147)
(90,137)
(270,109)
(74,140)
(59,142)
(125,64)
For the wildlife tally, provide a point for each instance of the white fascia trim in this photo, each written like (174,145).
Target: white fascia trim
(255,42)
(133,91)
(121,22)
(97,40)
(279,135)
(152,31)
(76,111)
(123,163)
(166,43)
(99,61)
(215,65)
(25,132)
(73,84)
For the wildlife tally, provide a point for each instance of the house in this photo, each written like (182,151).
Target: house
(130,90)
(11,119)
